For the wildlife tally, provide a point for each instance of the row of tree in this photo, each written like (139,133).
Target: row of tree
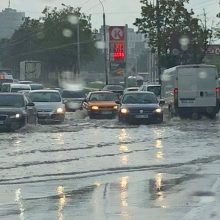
(180,36)
(51,39)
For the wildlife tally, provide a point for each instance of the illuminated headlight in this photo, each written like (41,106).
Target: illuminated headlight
(60,110)
(158,110)
(124,110)
(16,116)
(115,107)
(95,107)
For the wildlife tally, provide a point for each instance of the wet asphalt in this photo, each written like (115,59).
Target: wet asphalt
(100,169)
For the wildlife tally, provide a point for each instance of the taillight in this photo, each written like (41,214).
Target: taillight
(175,91)
(218,90)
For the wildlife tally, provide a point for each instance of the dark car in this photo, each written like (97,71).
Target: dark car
(102,104)
(140,107)
(73,99)
(16,111)
(118,89)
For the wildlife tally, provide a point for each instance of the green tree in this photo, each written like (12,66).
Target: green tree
(182,39)
(51,39)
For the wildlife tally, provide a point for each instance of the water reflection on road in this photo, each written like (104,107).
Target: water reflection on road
(100,169)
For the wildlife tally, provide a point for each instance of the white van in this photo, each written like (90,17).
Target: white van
(191,90)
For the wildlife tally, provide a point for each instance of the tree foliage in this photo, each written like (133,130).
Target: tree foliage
(51,39)
(182,39)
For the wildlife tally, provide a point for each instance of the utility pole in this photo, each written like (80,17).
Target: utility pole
(158,40)
(105,48)
(9,3)
(78,49)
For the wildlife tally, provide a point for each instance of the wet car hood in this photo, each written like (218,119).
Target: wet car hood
(140,106)
(9,111)
(102,103)
(73,99)
(48,105)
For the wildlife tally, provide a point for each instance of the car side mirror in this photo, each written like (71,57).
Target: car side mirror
(30,104)
(162,102)
(118,102)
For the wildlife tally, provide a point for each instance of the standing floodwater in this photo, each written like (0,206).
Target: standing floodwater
(100,169)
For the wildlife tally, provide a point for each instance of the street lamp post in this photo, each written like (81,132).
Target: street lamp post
(158,40)
(105,49)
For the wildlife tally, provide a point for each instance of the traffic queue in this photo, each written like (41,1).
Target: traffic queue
(188,91)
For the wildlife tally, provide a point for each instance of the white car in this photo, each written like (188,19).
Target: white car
(16,87)
(49,105)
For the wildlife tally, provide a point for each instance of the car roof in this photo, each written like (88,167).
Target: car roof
(36,84)
(17,85)
(138,92)
(158,85)
(102,91)
(45,90)
(134,87)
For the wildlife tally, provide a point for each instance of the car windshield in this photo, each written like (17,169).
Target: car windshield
(139,98)
(155,89)
(113,87)
(19,89)
(15,101)
(103,97)
(45,97)
(36,86)
(73,94)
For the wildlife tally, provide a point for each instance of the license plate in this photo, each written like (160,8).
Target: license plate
(107,112)
(1,122)
(141,116)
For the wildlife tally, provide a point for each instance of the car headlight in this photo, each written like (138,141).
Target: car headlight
(115,107)
(60,110)
(18,115)
(95,107)
(124,110)
(158,110)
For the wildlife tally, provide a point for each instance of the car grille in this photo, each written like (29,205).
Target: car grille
(3,117)
(106,107)
(45,110)
(141,111)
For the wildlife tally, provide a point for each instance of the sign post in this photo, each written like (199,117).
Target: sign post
(117,53)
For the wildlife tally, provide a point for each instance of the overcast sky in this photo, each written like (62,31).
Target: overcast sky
(118,12)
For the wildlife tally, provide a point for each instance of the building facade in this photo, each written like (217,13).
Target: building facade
(10,20)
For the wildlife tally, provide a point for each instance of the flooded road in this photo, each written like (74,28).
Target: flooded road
(100,169)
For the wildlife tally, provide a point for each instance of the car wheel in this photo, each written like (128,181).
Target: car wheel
(196,116)
(91,116)
(212,116)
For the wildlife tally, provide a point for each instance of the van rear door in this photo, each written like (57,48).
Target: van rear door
(197,86)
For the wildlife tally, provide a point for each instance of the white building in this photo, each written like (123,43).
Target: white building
(10,20)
